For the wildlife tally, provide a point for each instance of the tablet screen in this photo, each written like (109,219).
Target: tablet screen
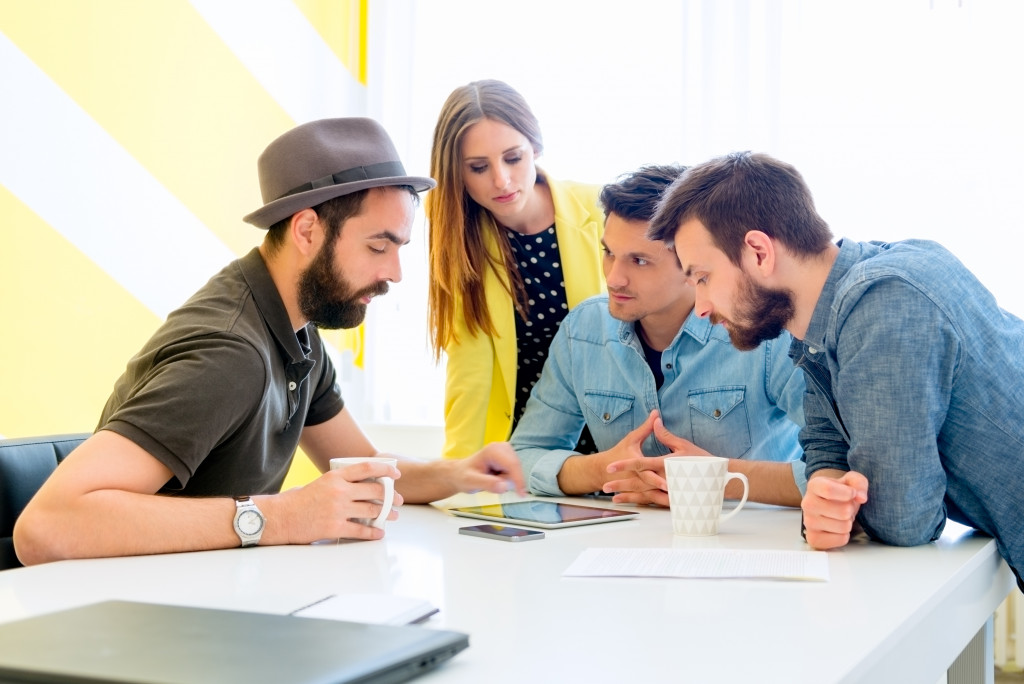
(544,513)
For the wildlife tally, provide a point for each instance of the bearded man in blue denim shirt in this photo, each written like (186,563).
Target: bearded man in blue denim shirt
(915,376)
(629,363)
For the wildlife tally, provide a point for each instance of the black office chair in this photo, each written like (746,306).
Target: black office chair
(24,466)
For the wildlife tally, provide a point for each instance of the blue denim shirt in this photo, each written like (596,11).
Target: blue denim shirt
(731,403)
(915,378)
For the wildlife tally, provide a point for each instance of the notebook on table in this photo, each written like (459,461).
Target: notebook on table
(123,641)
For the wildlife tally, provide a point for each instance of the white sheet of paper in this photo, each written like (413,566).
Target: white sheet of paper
(700,564)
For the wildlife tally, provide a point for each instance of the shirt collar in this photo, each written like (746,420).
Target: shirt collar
(696,327)
(268,301)
(849,254)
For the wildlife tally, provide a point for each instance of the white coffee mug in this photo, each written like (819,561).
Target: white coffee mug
(696,489)
(388,482)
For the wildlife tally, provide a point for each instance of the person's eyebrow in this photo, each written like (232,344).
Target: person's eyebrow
(646,256)
(390,237)
(515,148)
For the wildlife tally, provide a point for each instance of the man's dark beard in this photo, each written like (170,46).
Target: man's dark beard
(764,314)
(326,298)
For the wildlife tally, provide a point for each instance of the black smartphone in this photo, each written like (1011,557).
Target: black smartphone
(502,532)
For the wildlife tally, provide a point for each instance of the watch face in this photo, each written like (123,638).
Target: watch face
(250,522)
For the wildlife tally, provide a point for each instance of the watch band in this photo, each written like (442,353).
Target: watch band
(249,521)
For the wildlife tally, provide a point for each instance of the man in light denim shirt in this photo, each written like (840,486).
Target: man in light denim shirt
(641,371)
(915,404)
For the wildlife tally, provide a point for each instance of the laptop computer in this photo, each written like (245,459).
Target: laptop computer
(146,643)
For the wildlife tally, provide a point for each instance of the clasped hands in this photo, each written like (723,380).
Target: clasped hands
(830,504)
(639,479)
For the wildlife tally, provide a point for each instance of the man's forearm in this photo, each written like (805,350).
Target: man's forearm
(156,524)
(425,481)
(770,482)
(585,474)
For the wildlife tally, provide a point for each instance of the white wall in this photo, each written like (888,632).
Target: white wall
(903,115)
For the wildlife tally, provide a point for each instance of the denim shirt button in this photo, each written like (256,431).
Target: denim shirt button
(606,416)
(292,385)
(668,366)
(812,350)
(717,413)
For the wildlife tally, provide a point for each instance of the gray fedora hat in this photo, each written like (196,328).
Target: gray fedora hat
(324,159)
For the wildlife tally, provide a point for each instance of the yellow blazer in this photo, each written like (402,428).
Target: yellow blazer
(481,373)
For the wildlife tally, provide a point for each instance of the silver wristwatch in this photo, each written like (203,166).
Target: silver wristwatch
(249,521)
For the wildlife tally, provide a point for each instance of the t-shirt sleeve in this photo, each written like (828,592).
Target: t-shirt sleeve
(197,393)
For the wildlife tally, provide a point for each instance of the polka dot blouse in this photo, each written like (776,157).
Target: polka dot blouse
(541,270)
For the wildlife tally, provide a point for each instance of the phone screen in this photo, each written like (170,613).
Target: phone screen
(502,532)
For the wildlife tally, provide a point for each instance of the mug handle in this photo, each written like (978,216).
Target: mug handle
(389,498)
(746,490)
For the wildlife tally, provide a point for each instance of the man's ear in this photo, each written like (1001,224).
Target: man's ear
(306,232)
(759,252)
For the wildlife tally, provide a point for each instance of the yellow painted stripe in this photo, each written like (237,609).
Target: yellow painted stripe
(69,329)
(352,340)
(343,25)
(302,472)
(166,88)
(364,40)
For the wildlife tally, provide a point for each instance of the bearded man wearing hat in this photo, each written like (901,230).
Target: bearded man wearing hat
(203,425)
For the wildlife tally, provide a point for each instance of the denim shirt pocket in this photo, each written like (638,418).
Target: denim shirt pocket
(609,408)
(718,418)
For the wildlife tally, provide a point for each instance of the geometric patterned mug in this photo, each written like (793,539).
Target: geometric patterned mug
(696,488)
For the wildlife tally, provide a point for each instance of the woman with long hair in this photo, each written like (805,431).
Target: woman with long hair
(511,251)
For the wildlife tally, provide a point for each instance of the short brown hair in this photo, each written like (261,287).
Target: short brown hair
(740,192)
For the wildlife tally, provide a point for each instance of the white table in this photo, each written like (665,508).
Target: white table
(886,615)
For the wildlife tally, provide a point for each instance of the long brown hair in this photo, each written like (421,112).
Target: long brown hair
(458,253)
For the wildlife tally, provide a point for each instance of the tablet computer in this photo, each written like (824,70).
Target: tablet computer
(546,514)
